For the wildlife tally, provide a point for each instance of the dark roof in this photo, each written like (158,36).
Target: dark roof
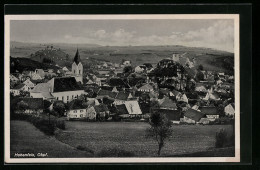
(109,88)
(210,110)
(76,104)
(107,93)
(168,103)
(171,114)
(77,57)
(101,108)
(108,101)
(19,86)
(121,109)
(122,95)
(192,95)
(46,104)
(33,103)
(194,114)
(118,82)
(65,84)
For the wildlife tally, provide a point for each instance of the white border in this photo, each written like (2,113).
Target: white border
(8,18)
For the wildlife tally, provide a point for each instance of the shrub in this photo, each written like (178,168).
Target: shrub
(83,148)
(60,124)
(114,152)
(221,138)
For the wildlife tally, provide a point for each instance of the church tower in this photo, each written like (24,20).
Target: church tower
(77,68)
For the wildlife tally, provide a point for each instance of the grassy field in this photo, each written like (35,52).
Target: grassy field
(130,136)
(26,138)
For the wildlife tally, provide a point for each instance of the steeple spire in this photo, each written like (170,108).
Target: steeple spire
(77,57)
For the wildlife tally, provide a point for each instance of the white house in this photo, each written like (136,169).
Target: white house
(76,110)
(230,110)
(30,84)
(21,87)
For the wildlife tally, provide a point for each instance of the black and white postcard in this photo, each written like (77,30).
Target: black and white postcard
(122,88)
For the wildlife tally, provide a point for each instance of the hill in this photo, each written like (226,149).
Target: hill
(24,64)
(211,59)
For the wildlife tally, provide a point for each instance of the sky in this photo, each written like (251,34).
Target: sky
(208,33)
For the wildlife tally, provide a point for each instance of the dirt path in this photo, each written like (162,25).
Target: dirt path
(26,138)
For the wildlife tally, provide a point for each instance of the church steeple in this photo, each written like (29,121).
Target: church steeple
(77,57)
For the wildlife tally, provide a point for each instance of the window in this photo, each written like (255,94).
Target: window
(81,111)
(81,115)
(75,111)
(74,71)
(68,97)
(77,96)
(62,98)
(72,96)
(57,98)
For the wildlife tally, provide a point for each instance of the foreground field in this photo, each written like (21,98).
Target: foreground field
(130,136)
(25,138)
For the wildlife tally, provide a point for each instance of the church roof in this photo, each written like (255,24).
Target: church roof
(77,57)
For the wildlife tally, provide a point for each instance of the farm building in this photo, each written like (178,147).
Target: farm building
(211,112)
(192,116)
(97,112)
(133,107)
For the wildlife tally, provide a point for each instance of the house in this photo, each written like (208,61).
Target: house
(40,72)
(121,109)
(211,96)
(76,110)
(200,88)
(21,87)
(13,78)
(230,109)
(167,103)
(36,76)
(29,83)
(106,93)
(97,112)
(172,115)
(140,69)
(192,116)
(133,107)
(211,112)
(146,88)
(31,106)
(122,97)
(65,69)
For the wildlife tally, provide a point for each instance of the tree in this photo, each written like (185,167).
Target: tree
(59,107)
(22,105)
(160,129)
(128,69)
(201,67)
(200,76)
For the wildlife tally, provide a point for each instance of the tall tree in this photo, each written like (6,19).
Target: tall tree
(160,129)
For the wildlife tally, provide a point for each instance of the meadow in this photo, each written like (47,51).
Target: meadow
(130,136)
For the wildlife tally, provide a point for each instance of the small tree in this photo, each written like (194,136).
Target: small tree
(22,105)
(59,107)
(201,67)
(160,129)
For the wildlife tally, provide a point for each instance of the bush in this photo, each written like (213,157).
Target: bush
(221,138)
(114,152)
(83,148)
(60,124)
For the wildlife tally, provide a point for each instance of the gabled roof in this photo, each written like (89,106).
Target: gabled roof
(107,93)
(146,87)
(19,86)
(76,104)
(121,109)
(176,93)
(101,108)
(41,87)
(194,114)
(210,110)
(118,82)
(122,95)
(133,107)
(168,103)
(61,84)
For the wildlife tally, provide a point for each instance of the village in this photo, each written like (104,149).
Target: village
(177,86)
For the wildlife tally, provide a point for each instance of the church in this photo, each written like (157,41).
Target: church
(77,68)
